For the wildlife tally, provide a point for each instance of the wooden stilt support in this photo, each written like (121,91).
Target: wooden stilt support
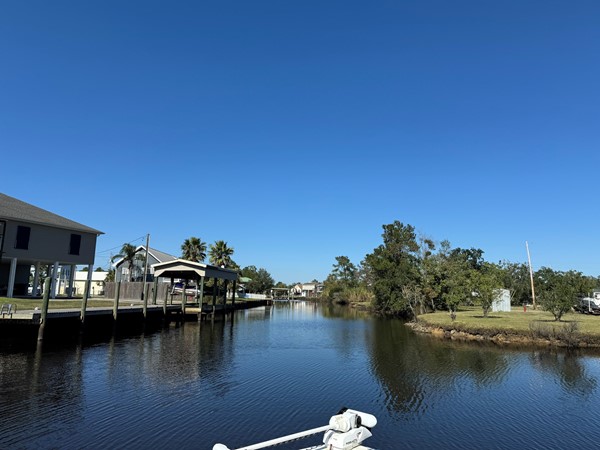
(201,298)
(86,293)
(166,299)
(233,295)
(45,304)
(116,303)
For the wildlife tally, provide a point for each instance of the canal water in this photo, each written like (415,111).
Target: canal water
(277,370)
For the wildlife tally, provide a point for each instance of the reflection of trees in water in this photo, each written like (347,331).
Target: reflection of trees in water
(415,370)
(332,310)
(568,370)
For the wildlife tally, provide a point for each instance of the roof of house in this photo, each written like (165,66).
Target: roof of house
(183,269)
(15,209)
(158,255)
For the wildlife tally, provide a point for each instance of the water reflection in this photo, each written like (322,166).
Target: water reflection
(568,369)
(416,371)
(52,386)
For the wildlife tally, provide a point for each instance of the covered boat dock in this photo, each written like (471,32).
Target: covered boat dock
(200,273)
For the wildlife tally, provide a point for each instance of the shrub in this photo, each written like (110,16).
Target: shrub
(568,333)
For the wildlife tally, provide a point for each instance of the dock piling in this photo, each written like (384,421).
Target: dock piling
(145,309)
(116,305)
(86,293)
(155,291)
(45,303)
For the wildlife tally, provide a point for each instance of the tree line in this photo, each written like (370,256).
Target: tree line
(409,274)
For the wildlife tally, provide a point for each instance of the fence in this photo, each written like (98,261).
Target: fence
(133,290)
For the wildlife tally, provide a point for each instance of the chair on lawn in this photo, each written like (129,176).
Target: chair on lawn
(8,309)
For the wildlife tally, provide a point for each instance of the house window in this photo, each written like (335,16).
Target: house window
(2,227)
(22,241)
(75,244)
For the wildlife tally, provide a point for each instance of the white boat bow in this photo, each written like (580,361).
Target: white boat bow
(345,431)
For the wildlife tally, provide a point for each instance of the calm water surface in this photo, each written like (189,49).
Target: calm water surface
(286,368)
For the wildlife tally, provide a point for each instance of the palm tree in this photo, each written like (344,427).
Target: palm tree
(129,254)
(220,254)
(193,249)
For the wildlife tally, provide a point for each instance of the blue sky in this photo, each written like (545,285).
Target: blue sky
(295,130)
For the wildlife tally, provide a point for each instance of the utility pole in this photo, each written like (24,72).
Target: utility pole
(530,275)
(145,265)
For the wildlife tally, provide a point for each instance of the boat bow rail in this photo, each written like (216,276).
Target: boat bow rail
(345,431)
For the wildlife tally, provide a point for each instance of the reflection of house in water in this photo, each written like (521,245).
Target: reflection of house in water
(154,257)
(308,290)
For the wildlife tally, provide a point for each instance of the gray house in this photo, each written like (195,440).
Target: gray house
(138,264)
(31,237)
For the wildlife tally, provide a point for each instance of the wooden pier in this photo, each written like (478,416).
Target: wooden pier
(67,323)
(53,323)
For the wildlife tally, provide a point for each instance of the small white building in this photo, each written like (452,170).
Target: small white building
(96,285)
(501,301)
(97,282)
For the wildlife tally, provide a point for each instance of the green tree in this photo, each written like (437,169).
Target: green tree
(456,284)
(110,275)
(515,278)
(332,288)
(431,271)
(473,257)
(129,255)
(415,299)
(393,265)
(342,280)
(193,249)
(345,272)
(261,280)
(557,290)
(485,283)
(220,254)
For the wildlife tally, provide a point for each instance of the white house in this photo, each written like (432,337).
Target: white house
(308,290)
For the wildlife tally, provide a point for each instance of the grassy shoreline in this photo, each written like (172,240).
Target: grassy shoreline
(517,326)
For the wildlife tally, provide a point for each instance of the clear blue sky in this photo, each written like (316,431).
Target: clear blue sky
(294,130)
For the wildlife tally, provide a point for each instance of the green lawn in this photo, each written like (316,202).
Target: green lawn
(516,321)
